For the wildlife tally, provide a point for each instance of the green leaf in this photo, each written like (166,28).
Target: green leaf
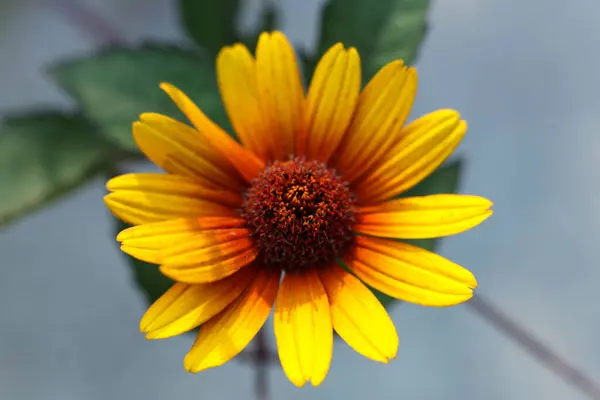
(381,31)
(210,23)
(147,276)
(44,156)
(443,180)
(116,86)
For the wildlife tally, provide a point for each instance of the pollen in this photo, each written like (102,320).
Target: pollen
(300,214)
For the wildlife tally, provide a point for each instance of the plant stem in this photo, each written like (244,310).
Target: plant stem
(261,361)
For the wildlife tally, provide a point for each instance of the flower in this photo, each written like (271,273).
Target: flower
(280,218)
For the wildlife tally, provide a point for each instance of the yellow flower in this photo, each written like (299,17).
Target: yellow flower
(272,220)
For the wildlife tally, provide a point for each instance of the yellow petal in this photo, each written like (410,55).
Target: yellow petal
(207,245)
(303,328)
(188,137)
(218,261)
(180,156)
(188,248)
(140,207)
(358,317)
(331,101)
(247,164)
(423,217)
(410,273)
(173,185)
(184,307)
(225,335)
(236,73)
(423,147)
(382,109)
(280,93)
(146,242)
(154,235)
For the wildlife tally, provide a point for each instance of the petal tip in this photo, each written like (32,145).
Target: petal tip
(397,64)
(264,36)
(109,200)
(317,382)
(166,86)
(227,51)
(153,335)
(123,235)
(298,382)
(111,184)
(194,366)
(279,35)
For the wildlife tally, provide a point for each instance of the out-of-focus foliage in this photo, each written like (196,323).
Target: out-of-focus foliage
(44,156)
(114,87)
(210,23)
(381,31)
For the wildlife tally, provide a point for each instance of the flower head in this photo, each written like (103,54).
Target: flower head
(298,213)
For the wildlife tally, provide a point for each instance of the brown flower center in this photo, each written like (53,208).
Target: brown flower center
(300,214)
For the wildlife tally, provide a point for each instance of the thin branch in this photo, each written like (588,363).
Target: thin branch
(544,354)
(86,21)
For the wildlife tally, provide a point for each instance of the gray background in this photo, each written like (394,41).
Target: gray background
(525,75)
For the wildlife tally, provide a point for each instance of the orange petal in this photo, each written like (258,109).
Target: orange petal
(173,185)
(423,217)
(236,72)
(331,101)
(146,242)
(154,235)
(188,137)
(221,255)
(184,307)
(177,148)
(141,207)
(280,93)
(187,247)
(303,328)
(247,164)
(410,273)
(382,109)
(225,336)
(423,147)
(207,245)
(358,317)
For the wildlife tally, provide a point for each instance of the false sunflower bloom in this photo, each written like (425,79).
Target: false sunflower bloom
(296,215)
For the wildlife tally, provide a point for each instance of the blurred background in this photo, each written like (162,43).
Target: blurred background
(524,74)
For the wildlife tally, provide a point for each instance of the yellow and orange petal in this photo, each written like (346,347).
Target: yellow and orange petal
(303,329)
(423,217)
(245,162)
(186,306)
(381,111)
(422,146)
(358,317)
(228,333)
(410,273)
(203,224)
(331,102)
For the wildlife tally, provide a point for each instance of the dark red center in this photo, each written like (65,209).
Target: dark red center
(300,214)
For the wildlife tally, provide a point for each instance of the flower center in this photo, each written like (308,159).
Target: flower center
(300,214)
